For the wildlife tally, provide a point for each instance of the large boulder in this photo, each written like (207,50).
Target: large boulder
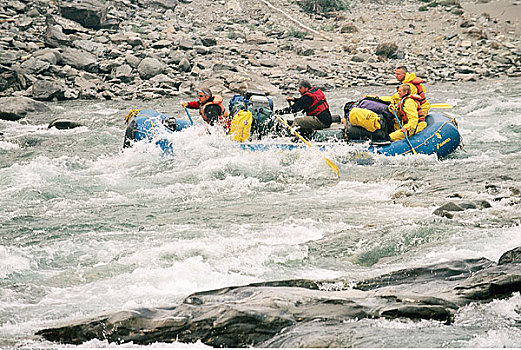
(14,108)
(54,36)
(80,59)
(35,66)
(47,90)
(13,80)
(88,13)
(150,67)
(275,312)
(388,50)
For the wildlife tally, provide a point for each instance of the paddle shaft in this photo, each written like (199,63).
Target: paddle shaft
(189,117)
(404,131)
(297,134)
(442,105)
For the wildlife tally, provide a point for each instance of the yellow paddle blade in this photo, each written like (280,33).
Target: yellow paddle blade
(332,166)
(131,113)
(328,161)
(442,105)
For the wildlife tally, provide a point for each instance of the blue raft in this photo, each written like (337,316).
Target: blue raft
(440,137)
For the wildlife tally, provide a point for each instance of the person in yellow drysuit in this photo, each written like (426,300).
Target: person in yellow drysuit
(416,85)
(409,110)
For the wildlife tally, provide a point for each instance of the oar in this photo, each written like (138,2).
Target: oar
(442,105)
(404,132)
(188,114)
(294,132)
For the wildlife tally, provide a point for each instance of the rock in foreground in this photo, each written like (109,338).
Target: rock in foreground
(266,314)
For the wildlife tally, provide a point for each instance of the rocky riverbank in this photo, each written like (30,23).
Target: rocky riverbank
(288,313)
(146,49)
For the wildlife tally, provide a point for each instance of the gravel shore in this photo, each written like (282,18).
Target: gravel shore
(147,49)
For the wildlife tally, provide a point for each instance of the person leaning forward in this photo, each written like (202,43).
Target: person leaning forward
(210,107)
(410,112)
(313,102)
(417,88)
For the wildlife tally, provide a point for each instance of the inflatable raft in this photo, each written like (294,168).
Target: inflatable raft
(440,137)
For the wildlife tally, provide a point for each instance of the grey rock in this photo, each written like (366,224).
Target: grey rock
(501,59)
(465,77)
(124,73)
(304,50)
(359,58)
(84,84)
(10,57)
(95,48)
(17,5)
(512,256)
(315,70)
(150,67)
(132,60)
(35,66)
(33,13)
(265,313)
(446,208)
(266,62)
(162,43)
(209,41)
(186,45)
(89,13)
(184,65)
(47,90)
(68,26)
(135,40)
(107,66)
(164,80)
(53,56)
(223,67)
(494,282)
(14,108)
(54,36)
(165,4)
(388,50)
(63,124)
(348,28)
(80,59)
(468,206)
(201,50)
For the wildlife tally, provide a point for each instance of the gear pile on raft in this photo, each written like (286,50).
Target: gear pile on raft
(403,123)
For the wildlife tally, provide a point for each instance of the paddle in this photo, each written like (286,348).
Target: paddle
(404,132)
(442,105)
(188,114)
(294,132)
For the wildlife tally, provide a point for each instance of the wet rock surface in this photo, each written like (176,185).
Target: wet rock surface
(15,108)
(288,313)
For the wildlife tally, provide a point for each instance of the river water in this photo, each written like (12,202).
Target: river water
(88,228)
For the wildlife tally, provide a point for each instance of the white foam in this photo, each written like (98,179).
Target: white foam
(8,146)
(11,262)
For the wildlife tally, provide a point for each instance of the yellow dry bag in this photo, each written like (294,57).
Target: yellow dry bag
(365,118)
(240,127)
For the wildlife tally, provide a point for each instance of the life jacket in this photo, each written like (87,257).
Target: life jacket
(417,82)
(319,102)
(415,98)
(223,117)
